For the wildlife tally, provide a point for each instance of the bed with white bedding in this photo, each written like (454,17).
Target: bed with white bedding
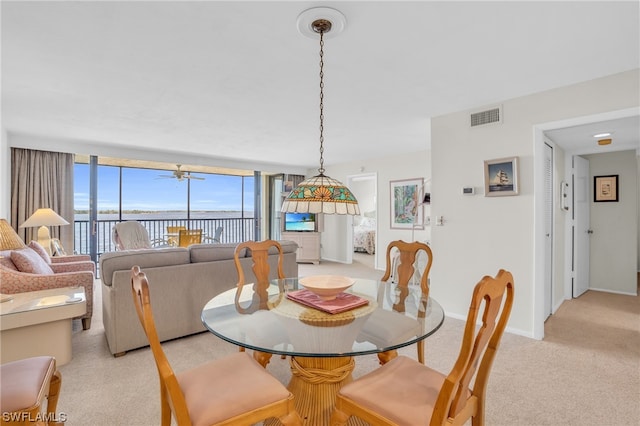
(364,235)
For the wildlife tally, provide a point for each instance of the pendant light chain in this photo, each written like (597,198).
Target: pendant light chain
(321,169)
(320,194)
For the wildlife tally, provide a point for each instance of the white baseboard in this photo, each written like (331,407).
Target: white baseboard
(606,290)
(509,330)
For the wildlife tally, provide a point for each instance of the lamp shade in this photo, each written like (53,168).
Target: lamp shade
(321,194)
(44,217)
(9,239)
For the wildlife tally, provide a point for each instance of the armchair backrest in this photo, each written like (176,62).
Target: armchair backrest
(130,235)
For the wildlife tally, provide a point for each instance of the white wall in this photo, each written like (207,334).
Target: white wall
(613,246)
(481,234)
(364,191)
(402,166)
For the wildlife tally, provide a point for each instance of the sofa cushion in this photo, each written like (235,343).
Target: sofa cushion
(41,251)
(145,258)
(213,252)
(287,247)
(5,260)
(27,260)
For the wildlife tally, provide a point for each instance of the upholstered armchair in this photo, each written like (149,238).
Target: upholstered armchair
(27,269)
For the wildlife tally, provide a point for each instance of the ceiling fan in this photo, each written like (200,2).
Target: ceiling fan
(180,174)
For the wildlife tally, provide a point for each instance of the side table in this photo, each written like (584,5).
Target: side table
(39,323)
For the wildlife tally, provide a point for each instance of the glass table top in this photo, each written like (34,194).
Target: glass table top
(279,325)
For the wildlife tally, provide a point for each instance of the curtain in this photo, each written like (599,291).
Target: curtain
(295,179)
(41,179)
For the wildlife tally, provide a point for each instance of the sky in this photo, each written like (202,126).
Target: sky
(145,189)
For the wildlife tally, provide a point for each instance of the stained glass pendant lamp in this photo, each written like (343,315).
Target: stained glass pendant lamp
(320,193)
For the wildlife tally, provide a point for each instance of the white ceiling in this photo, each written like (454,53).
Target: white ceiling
(237,79)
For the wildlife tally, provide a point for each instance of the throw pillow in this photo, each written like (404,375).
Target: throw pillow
(41,251)
(27,260)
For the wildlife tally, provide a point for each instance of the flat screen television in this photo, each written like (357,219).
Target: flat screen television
(300,222)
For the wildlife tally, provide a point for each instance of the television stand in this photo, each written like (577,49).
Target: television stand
(308,246)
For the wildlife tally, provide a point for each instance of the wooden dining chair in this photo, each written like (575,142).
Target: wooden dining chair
(187,237)
(402,269)
(259,252)
(406,392)
(173,233)
(26,383)
(227,391)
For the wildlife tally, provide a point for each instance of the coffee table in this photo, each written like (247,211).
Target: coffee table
(39,323)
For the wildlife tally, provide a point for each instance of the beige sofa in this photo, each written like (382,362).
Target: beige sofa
(181,282)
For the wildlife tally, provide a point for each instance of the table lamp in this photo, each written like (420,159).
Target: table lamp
(44,218)
(9,239)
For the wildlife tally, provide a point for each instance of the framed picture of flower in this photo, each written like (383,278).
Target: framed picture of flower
(406,207)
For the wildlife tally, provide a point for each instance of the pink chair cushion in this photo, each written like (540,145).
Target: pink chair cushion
(403,391)
(41,251)
(27,260)
(241,385)
(25,382)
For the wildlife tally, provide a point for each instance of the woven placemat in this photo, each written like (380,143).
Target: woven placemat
(311,316)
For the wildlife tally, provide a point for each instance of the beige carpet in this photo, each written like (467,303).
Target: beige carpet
(586,372)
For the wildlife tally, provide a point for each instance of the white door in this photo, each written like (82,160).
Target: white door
(548,229)
(581,225)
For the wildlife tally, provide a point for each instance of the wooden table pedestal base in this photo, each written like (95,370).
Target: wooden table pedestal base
(315,383)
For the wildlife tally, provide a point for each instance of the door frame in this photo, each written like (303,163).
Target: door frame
(538,192)
(349,234)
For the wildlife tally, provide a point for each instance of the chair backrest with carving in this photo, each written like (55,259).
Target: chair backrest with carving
(168,380)
(403,268)
(259,251)
(492,301)
(186,237)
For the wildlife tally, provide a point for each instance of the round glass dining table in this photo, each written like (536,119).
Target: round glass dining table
(322,345)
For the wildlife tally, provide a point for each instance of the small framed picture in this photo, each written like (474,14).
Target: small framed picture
(56,248)
(605,189)
(501,177)
(406,207)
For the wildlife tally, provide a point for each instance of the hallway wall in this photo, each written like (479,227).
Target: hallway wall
(614,245)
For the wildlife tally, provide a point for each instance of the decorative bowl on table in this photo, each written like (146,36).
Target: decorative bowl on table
(327,287)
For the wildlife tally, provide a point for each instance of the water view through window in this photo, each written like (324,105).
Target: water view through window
(154,198)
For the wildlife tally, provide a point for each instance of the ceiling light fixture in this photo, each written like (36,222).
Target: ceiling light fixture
(602,135)
(603,142)
(320,193)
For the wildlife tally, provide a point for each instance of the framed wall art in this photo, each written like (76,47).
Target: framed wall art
(501,177)
(56,248)
(605,188)
(406,207)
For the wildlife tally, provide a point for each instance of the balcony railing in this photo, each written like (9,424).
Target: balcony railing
(234,230)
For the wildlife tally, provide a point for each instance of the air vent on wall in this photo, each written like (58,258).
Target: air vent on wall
(489,116)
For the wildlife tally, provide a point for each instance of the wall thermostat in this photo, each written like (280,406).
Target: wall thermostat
(468,190)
